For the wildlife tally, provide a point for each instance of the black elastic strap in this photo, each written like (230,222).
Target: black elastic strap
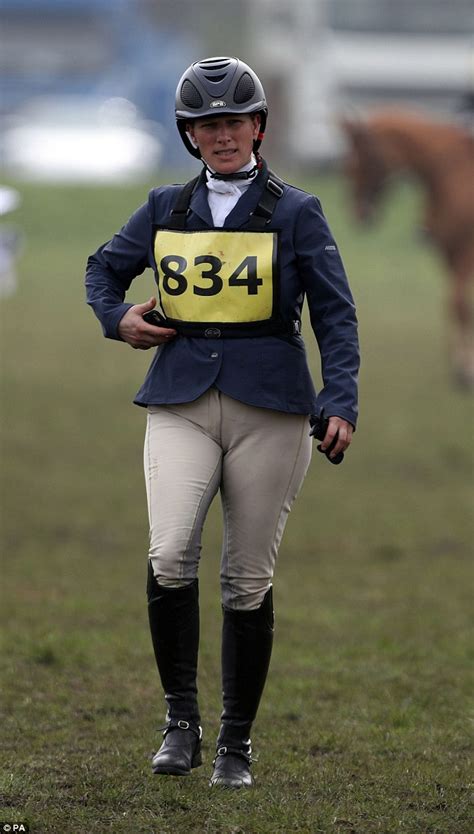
(181,206)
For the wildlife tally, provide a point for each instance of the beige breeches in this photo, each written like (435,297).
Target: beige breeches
(256,457)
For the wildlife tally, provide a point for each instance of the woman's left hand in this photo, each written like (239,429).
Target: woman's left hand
(344,431)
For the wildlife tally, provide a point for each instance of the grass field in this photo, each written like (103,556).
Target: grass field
(366,722)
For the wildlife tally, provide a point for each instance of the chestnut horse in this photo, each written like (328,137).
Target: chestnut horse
(440,155)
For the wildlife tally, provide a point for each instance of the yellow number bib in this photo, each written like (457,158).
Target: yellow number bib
(217,279)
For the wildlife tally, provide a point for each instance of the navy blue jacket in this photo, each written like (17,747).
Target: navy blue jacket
(266,371)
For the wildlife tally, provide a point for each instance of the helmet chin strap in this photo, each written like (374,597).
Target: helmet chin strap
(238,175)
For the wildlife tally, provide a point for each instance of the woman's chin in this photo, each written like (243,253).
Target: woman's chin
(226,165)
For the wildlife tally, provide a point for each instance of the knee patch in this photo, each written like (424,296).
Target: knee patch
(156,585)
(245,599)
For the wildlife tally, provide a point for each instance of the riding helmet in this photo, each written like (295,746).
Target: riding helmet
(216,86)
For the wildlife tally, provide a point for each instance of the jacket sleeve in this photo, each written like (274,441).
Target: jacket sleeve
(332,311)
(111,270)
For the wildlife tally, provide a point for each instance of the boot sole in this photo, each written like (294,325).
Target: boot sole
(227,785)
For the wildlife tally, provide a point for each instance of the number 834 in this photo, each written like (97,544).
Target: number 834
(175,281)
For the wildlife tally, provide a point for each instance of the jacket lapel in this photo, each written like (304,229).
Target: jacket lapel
(247,203)
(199,205)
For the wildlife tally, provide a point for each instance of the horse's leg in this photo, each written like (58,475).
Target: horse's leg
(461,310)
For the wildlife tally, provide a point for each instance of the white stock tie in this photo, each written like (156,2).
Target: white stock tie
(224,194)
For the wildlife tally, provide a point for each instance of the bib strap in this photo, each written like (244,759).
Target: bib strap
(272,191)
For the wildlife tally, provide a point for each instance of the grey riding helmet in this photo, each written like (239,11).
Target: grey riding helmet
(216,86)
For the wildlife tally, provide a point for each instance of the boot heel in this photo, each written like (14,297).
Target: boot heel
(197,758)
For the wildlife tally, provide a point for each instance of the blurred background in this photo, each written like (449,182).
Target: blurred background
(97,74)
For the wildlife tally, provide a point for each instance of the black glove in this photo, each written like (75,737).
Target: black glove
(319,426)
(153,317)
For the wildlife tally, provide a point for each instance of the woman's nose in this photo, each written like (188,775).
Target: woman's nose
(223,133)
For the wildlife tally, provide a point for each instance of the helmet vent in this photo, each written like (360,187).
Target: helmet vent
(215,78)
(214,64)
(245,89)
(190,96)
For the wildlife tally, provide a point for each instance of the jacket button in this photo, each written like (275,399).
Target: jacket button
(214,355)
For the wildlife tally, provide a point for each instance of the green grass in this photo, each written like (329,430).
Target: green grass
(366,722)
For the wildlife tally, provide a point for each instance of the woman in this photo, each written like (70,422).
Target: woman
(229,394)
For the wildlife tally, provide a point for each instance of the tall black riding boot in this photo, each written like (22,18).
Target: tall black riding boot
(247,639)
(174,625)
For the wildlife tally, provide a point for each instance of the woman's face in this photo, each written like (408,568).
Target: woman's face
(225,142)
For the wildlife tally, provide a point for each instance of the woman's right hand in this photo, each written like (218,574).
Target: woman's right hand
(138,333)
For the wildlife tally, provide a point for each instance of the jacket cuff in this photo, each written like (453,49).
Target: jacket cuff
(111,321)
(343,413)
